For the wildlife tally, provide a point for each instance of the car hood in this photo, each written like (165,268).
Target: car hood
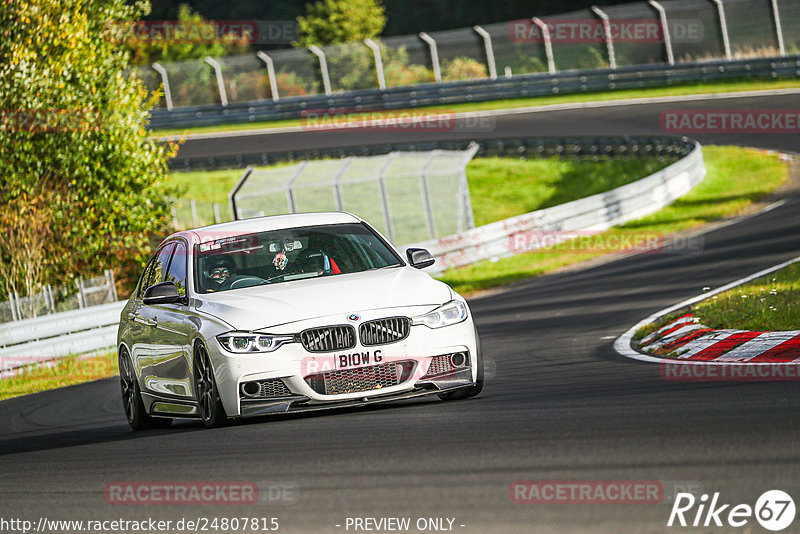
(260,307)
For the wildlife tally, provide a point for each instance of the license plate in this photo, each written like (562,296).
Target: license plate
(352,360)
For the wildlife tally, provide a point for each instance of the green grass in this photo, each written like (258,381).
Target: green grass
(730,86)
(206,186)
(66,372)
(502,187)
(736,178)
(769,303)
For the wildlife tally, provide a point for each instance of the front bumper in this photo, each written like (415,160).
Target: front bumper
(300,404)
(419,361)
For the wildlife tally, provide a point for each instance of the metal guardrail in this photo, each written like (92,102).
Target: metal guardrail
(52,336)
(590,214)
(565,147)
(518,86)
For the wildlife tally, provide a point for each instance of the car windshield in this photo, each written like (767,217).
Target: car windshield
(289,254)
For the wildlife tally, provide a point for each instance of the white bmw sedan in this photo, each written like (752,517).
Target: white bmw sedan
(288,314)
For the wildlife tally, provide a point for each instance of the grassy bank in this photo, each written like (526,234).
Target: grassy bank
(769,303)
(737,177)
(64,372)
(730,86)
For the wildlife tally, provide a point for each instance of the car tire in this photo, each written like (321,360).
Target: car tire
(205,385)
(135,412)
(473,390)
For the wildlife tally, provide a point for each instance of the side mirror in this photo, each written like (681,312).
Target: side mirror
(419,258)
(163,293)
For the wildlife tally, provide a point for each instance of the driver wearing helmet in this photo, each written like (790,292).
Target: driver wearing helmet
(220,270)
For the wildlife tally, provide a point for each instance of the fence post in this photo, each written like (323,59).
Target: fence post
(290,186)
(18,306)
(376,53)
(112,287)
(323,68)
(46,298)
(612,58)
(463,186)
(426,196)
(337,188)
(662,15)
(487,45)
(232,194)
(165,81)
(217,216)
(776,12)
(437,71)
(193,205)
(13,305)
(220,80)
(548,44)
(273,82)
(80,296)
(387,213)
(174,213)
(48,291)
(724,27)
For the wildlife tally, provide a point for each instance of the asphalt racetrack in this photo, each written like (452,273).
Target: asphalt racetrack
(559,404)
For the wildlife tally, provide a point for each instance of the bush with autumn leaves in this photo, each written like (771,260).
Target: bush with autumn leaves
(82,187)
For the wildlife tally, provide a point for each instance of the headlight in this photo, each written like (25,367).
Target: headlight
(244,342)
(453,312)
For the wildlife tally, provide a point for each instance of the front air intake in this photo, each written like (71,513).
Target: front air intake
(383,331)
(328,338)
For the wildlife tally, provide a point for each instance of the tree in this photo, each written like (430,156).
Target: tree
(340,21)
(82,184)
(150,48)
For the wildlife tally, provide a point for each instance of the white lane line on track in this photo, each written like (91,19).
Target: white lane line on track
(623,343)
(509,111)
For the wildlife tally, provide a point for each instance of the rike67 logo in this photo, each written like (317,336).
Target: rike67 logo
(774,510)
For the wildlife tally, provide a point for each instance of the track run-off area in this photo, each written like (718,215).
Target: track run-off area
(559,403)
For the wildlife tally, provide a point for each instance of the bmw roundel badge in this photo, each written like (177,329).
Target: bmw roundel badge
(353,317)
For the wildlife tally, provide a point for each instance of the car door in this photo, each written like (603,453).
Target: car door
(146,348)
(170,372)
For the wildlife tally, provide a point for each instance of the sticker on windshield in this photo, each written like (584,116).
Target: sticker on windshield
(280,261)
(205,247)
